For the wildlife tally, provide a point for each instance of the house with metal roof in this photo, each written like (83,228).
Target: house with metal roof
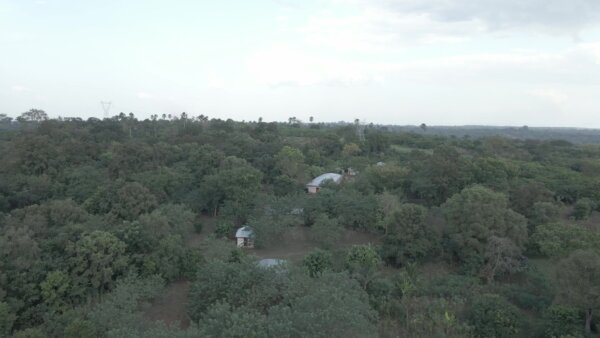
(313,186)
(245,237)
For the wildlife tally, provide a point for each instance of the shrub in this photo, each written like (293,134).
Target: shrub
(493,316)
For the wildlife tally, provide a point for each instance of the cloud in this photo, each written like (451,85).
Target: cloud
(376,29)
(144,95)
(20,88)
(377,25)
(558,16)
(554,96)
(288,66)
(215,81)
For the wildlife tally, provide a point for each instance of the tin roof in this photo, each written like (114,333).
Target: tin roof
(244,232)
(319,180)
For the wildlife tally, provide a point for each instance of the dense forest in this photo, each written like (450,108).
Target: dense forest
(125,228)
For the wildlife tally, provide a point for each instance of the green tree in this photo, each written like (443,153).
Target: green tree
(290,161)
(556,240)
(332,305)
(492,316)
(502,256)
(80,328)
(132,200)
(562,321)
(33,115)
(238,284)
(524,195)
(363,261)
(583,208)
(55,291)
(473,216)
(578,278)
(544,213)
(410,237)
(7,318)
(236,181)
(326,231)
(317,262)
(222,320)
(97,259)
(439,176)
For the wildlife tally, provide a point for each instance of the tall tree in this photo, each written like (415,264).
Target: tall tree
(33,115)
(473,217)
(97,259)
(578,278)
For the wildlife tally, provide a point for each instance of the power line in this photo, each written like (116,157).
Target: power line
(106,107)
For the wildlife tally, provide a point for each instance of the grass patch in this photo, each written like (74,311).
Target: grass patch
(406,150)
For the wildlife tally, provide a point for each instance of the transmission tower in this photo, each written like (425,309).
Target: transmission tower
(360,125)
(106,107)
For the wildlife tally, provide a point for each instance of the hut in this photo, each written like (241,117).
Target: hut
(245,237)
(313,186)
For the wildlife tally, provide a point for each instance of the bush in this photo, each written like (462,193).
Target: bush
(198,227)
(326,231)
(534,293)
(224,229)
(543,213)
(562,321)
(493,316)
(583,209)
(317,262)
(453,286)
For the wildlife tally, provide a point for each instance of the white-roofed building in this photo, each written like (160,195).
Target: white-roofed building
(245,237)
(313,186)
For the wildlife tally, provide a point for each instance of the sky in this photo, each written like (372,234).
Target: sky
(439,62)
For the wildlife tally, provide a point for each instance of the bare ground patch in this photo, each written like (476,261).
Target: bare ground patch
(296,243)
(170,307)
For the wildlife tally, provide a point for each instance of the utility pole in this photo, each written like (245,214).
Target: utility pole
(106,107)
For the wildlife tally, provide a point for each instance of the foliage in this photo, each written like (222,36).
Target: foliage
(331,305)
(583,208)
(96,260)
(474,216)
(492,316)
(221,320)
(562,321)
(317,262)
(326,231)
(533,291)
(85,205)
(578,278)
(558,240)
(7,318)
(544,213)
(237,284)
(502,257)
(409,236)
(363,261)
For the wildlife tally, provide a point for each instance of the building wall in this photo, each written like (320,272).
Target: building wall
(245,242)
(313,190)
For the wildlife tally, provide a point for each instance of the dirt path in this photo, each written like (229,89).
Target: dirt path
(296,243)
(170,307)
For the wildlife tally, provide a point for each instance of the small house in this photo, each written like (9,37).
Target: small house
(245,237)
(313,186)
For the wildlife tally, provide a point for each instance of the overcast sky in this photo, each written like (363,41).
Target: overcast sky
(439,62)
